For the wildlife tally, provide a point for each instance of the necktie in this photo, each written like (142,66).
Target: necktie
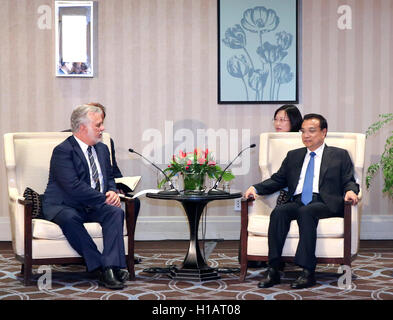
(308,181)
(93,169)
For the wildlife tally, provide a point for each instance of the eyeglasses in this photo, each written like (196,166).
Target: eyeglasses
(280,120)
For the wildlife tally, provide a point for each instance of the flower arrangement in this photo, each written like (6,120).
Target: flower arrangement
(194,167)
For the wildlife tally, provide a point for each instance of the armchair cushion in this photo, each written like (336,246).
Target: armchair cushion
(327,228)
(44,229)
(282,197)
(36,199)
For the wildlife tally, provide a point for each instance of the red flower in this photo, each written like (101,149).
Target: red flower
(182,154)
(201,160)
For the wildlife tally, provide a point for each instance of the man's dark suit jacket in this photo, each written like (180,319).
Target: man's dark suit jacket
(116,171)
(335,178)
(69,179)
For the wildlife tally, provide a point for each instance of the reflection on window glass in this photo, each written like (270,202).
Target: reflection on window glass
(74,39)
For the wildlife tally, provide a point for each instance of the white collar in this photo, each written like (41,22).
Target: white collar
(83,145)
(319,151)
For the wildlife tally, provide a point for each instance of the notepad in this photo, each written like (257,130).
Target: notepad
(127,184)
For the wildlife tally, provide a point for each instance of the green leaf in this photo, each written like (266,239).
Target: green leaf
(386,161)
(228,176)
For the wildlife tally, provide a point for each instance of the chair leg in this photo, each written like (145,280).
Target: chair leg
(243,266)
(131,267)
(130,222)
(243,271)
(243,239)
(26,270)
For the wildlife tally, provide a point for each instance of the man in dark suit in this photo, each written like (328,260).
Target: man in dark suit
(81,188)
(117,173)
(319,179)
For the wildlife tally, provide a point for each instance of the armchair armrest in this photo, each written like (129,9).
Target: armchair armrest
(13,193)
(244,207)
(28,232)
(347,231)
(25,202)
(129,214)
(244,218)
(130,223)
(244,234)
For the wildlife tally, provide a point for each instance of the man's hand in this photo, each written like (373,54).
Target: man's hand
(112,199)
(250,193)
(352,197)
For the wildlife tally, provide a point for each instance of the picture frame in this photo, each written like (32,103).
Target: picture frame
(74,36)
(258,56)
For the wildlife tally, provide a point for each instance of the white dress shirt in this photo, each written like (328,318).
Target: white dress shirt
(84,147)
(317,168)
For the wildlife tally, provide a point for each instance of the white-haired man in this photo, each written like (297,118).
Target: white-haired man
(81,188)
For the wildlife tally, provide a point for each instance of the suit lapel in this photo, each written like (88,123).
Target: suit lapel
(326,158)
(297,168)
(79,152)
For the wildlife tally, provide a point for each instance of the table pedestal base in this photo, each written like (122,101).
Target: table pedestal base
(194,267)
(194,274)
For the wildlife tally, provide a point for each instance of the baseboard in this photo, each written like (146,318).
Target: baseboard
(373,227)
(5,229)
(176,227)
(376,227)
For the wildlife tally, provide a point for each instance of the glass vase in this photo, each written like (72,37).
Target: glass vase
(194,182)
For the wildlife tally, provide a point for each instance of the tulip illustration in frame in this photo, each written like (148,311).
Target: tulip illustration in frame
(258,51)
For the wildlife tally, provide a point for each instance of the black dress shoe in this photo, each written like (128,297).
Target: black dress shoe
(272,278)
(108,280)
(305,280)
(121,275)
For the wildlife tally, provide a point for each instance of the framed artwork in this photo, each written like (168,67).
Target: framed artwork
(258,51)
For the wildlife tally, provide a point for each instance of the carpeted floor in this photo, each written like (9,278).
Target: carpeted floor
(372,278)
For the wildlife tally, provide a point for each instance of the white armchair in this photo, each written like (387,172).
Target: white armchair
(38,241)
(337,238)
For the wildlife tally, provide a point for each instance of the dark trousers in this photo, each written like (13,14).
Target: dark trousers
(111,219)
(307,218)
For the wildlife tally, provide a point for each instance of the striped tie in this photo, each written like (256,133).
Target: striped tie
(93,169)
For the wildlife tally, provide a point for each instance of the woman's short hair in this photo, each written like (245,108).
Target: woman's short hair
(79,116)
(294,115)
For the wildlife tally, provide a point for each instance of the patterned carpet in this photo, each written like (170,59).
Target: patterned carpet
(372,279)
